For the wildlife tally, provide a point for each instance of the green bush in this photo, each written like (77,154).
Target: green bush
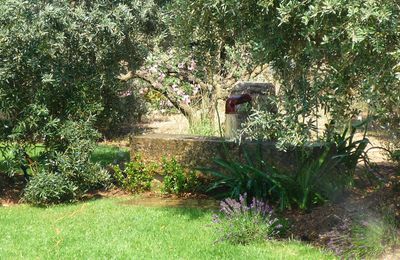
(67,166)
(176,179)
(64,178)
(49,188)
(78,169)
(135,177)
(72,160)
(59,80)
(64,57)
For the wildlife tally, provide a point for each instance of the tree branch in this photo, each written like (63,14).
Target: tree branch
(166,92)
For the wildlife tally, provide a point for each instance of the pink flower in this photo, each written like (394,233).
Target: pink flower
(192,65)
(186,99)
(126,93)
(162,76)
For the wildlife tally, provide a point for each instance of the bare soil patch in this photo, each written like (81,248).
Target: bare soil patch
(329,225)
(163,124)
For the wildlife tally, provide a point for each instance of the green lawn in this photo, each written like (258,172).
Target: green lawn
(105,229)
(107,154)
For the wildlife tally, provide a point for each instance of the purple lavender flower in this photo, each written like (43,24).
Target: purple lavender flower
(243,202)
(240,222)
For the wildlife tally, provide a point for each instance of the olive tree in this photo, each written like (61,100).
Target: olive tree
(331,53)
(58,75)
(64,56)
(327,55)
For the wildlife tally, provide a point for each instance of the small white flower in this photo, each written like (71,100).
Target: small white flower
(153,69)
(196,89)
(186,99)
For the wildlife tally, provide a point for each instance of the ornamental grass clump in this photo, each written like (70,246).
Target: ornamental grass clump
(374,237)
(241,222)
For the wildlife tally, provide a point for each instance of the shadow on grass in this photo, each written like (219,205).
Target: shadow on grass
(191,213)
(192,207)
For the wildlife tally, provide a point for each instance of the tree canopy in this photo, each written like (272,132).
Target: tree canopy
(327,55)
(60,59)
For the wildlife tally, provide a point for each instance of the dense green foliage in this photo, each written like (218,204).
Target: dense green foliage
(110,228)
(136,176)
(71,164)
(49,188)
(320,173)
(333,52)
(58,81)
(177,180)
(328,57)
(60,60)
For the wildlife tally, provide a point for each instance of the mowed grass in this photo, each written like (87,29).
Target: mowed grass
(108,154)
(109,229)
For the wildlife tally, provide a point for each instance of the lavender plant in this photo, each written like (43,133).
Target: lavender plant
(240,222)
